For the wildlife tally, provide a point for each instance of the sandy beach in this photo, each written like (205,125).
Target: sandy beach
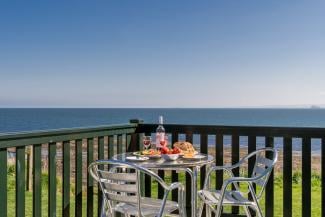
(296,159)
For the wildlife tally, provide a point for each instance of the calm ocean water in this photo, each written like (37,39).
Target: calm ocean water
(14,120)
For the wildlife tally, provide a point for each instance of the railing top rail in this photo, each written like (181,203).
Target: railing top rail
(58,135)
(238,130)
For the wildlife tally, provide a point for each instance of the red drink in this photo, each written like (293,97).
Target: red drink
(146,141)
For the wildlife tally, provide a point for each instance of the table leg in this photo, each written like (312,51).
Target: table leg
(194,173)
(208,209)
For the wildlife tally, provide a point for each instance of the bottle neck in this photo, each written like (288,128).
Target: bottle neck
(161,120)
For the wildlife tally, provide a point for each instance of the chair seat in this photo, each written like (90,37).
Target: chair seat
(149,207)
(231,197)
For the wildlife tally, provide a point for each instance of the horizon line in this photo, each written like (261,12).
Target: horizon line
(154,107)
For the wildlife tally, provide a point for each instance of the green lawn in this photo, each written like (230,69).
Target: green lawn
(316,196)
(278,195)
(29,199)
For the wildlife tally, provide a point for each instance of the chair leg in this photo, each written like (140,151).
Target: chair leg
(219,210)
(103,212)
(248,214)
(181,199)
(199,213)
(259,211)
(208,211)
(182,211)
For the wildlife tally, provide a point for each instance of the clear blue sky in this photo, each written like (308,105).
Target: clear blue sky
(162,53)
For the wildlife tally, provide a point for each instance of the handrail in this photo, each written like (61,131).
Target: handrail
(238,130)
(38,137)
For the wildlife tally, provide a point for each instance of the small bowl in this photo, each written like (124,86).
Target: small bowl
(170,156)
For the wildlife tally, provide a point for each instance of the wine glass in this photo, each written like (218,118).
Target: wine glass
(146,142)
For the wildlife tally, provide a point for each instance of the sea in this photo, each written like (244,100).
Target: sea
(34,119)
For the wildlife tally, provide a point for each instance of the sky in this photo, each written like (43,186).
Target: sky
(166,53)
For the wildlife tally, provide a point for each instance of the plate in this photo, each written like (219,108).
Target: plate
(195,153)
(138,153)
(153,156)
(195,157)
(137,158)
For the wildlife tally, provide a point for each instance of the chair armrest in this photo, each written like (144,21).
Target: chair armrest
(227,168)
(239,179)
(246,179)
(175,185)
(236,180)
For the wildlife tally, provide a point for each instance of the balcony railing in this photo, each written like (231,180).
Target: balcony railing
(73,149)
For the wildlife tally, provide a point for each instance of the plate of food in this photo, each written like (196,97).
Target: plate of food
(151,153)
(170,154)
(186,148)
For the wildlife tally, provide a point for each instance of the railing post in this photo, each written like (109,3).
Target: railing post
(134,144)
(306,177)
(251,163)
(78,178)
(3,181)
(100,151)
(37,180)
(20,181)
(29,173)
(323,175)
(52,179)
(219,160)
(269,191)
(287,176)
(66,179)
(204,150)
(189,138)
(90,181)
(235,156)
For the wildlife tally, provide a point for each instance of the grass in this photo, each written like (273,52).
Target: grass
(29,198)
(278,195)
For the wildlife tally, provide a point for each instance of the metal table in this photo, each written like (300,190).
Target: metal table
(192,167)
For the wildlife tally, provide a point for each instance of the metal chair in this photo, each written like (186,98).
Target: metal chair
(121,189)
(216,199)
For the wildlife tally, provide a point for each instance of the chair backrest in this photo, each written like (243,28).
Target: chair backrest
(265,160)
(121,183)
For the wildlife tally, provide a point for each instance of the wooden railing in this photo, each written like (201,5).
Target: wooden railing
(252,133)
(72,143)
(79,147)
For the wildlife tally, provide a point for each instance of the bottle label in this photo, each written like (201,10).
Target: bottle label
(159,138)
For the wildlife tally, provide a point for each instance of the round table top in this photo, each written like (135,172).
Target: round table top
(160,163)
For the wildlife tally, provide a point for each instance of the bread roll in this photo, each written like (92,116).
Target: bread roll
(184,146)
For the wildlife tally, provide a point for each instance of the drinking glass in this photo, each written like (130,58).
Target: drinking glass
(146,142)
